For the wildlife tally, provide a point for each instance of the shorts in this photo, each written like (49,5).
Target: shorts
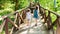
(29,19)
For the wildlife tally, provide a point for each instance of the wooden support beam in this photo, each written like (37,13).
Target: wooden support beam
(2,26)
(12,23)
(15,18)
(58,26)
(11,30)
(20,17)
(6,26)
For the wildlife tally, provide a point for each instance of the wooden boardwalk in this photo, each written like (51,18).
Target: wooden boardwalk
(39,29)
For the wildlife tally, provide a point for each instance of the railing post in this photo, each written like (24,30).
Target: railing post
(18,19)
(49,21)
(6,26)
(44,16)
(58,25)
(17,22)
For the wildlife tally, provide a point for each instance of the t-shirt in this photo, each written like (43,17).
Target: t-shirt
(28,15)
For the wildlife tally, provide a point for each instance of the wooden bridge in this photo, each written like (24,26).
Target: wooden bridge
(44,26)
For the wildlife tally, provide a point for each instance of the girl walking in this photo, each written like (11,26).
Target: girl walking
(28,17)
(36,15)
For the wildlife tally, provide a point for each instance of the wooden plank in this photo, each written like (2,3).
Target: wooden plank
(24,29)
(21,30)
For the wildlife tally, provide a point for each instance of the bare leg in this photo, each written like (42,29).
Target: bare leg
(27,22)
(36,22)
(28,27)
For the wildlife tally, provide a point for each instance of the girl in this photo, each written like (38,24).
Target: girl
(28,17)
(36,14)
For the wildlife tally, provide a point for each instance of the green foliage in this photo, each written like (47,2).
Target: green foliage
(0,22)
(23,3)
(4,13)
(3,32)
(53,17)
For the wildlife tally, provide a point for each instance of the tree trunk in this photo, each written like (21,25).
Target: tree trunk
(16,5)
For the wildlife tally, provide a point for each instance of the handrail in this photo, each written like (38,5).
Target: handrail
(47,19)
(51,11)
(55,13)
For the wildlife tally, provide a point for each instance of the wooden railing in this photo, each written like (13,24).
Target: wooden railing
(48,20)
(7,20)
(15,23)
